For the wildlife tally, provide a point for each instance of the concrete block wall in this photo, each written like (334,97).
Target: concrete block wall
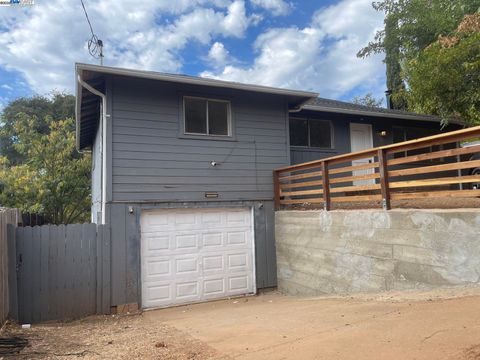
(321,252)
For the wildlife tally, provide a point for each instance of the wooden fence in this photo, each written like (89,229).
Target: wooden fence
(424,168)
(63,271)
(7,217)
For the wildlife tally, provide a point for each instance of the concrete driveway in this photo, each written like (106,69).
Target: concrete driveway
(436,325)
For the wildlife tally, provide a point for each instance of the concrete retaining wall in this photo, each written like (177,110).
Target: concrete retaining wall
(322,252)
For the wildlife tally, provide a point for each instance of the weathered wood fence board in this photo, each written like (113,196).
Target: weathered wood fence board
(63,271)
(8,217)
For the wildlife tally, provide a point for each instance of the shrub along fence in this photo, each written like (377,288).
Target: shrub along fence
(63,271)
(8,217)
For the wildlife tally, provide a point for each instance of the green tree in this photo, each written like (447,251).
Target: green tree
(411,26)
(54,180)
(445,78)
(368,100)
(395,82)
(58,106)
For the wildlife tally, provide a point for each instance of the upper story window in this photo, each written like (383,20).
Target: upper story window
(206,116)
(312,133)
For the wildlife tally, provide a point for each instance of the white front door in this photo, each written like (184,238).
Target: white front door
(361,139)
(193,255)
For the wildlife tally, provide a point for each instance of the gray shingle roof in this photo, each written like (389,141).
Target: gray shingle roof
(329,105)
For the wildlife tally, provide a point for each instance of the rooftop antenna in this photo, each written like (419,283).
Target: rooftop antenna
(95,45)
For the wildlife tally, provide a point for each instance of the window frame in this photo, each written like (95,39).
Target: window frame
(406,153)
(207,135)
(332,139)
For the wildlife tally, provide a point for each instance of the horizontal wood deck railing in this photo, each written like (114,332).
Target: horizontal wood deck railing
(433,166)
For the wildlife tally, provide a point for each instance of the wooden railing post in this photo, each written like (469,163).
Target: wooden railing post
(325,186)
(276,189)
(384,186)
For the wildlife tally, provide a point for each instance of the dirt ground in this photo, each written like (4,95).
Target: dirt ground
(427,203)
(109,337)
(440,324)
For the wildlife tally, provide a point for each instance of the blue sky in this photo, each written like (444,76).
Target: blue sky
(308,45)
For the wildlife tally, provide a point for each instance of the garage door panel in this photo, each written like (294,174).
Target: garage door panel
(158,294)
(237,262)
(237,238)
(186,241)
(157,242)
(212,218)
(187,266)
(157,267)
(238,284)
(153,220)
(213,263)
(186,291)
(214,287)
(196,254)
(238,218)
(184,219)
(212,240)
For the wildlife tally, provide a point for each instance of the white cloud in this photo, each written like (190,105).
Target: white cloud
(319,57)
(218,54)
(277,7)
(44,41)
(236,21)
(285,55)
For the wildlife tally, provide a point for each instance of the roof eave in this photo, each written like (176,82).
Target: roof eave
(417,117)
(194,80)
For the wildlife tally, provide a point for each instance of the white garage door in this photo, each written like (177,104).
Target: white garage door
(191,255)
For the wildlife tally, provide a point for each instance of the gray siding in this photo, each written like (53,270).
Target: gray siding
(153,165)
(152,161)
(341,133)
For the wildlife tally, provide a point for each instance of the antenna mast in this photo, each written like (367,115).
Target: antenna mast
(95,45)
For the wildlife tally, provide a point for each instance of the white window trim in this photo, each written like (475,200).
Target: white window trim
(229,118)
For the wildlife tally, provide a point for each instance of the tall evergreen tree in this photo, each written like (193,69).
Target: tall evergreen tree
(411,26)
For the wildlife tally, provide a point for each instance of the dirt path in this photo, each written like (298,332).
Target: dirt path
(442,324)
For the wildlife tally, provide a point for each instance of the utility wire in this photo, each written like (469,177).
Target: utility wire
(95,45)
(88,20)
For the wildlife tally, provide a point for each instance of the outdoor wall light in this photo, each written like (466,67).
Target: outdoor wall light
(383,133)
(213,163)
